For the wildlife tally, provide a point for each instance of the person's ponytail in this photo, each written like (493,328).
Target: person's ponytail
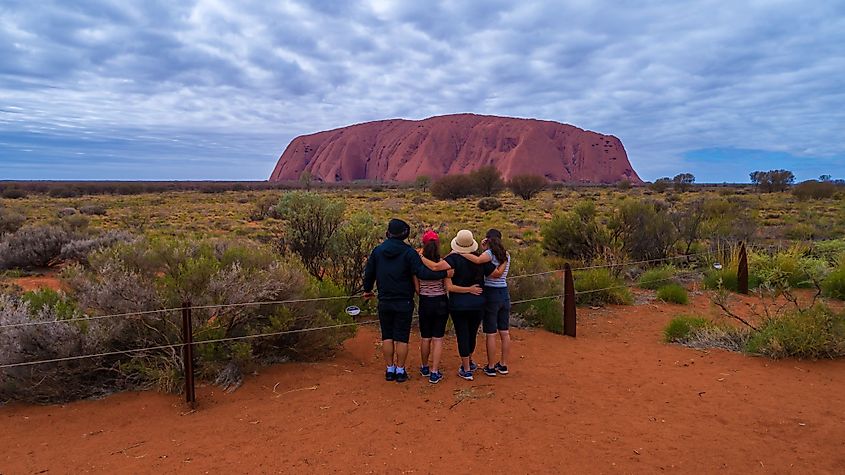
(494,242)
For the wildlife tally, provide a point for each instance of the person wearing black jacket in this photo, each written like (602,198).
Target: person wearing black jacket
(391,267)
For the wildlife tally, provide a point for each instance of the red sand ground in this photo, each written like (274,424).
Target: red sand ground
(614,400)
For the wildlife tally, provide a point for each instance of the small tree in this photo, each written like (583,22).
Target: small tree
(311,223)
(487,180)
(452,187)
(422,182)
(688,222)
(305,179)
(683,181)
(527,186)
(772,180)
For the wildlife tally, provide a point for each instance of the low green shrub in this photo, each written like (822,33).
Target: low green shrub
(833,285)
(598,287)
(547,313)
(673,293)
(818,332)
(657,277)
(682,327)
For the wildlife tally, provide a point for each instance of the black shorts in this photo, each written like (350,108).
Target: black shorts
(395,318)
(497,309)
(434,313)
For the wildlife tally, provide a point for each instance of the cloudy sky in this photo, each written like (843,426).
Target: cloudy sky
(211,89)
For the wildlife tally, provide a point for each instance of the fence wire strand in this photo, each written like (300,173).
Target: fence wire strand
(180,345)
(317,299)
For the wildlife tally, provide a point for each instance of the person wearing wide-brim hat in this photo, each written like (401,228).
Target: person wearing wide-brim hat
(392,266)
(466,304)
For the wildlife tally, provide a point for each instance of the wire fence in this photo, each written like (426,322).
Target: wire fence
(302,300)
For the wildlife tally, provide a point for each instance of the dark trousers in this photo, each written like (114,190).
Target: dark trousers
(466,324)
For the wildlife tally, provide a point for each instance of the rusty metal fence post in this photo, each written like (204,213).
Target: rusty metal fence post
(568,301)
(188,355)
(742,270)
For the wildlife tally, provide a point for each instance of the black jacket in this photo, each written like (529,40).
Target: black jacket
(392,266)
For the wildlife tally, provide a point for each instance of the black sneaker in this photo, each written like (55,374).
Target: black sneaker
(435,377)
(472,365)
(401,377)
(389,376)
(424,370)
(489,371)
(500,368)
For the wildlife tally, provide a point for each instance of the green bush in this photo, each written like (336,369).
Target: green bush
(726,278)
(599,286)
(47,299)
(547,313)
(575,235)
(657,277)
(526,186)
(311,223)
(644,228)
(673,293)
(681,328)
(833,285)
(530,261)
(818,332)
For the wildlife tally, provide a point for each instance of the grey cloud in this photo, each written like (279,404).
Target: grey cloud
(665,78)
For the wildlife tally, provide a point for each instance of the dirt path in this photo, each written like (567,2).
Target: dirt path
(614,400)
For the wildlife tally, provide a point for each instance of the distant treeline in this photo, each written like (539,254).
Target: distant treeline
(70,189)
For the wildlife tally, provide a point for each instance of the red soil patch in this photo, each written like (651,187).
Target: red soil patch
(49,281)
(615,399)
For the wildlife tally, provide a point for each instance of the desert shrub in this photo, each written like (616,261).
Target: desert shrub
(726,278)
(32,246)
(265,207)
(833,285)
(78,250)
(93,210)
(623,185)
(657,277)
(673,293)
(728,221)
(531,261)
(489,204)
(817,332)
(786,268)
(681,328)
(828,250)
(75,223)
(349,249)
(51,382)
(65,192)
(451,187)
(163,273)
(311,222)
(576,234)
(13,193)
(527,186)
(598,287)
(547,313)
(814,190)
(644,229)
(65,212)
(10,221)
(661,184)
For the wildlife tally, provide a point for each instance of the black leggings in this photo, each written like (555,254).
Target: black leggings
(466,324)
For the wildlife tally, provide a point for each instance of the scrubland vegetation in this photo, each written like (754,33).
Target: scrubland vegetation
(123,248)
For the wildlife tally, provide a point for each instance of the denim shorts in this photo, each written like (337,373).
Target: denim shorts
(497,309)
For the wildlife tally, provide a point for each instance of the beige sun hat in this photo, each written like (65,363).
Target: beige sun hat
(464,242)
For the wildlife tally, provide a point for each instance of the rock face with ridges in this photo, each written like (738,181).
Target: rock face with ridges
(401,150)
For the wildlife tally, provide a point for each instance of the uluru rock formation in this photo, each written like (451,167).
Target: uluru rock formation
(401,150)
